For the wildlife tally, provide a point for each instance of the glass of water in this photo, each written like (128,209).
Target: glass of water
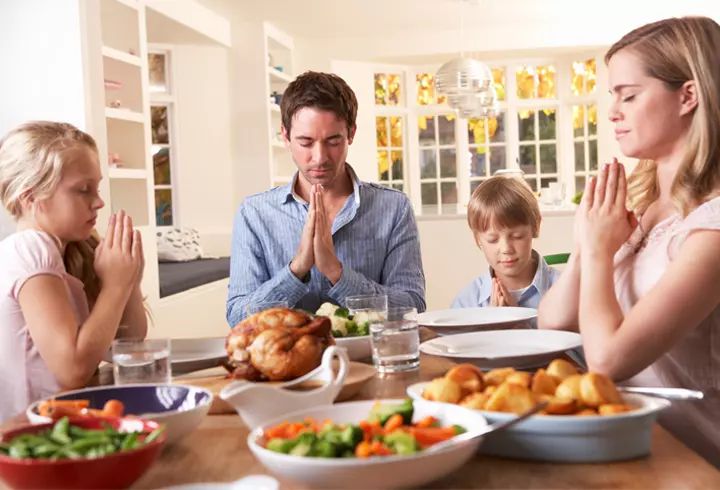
(367,303)
(141,361)
(395,341)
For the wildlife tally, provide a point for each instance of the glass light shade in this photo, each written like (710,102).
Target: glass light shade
(467,84)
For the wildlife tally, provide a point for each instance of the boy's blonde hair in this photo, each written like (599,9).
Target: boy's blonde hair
(675,51)
(503,201)
(32,157)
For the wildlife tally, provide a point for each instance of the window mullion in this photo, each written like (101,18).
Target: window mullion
(512,135)
(462,160)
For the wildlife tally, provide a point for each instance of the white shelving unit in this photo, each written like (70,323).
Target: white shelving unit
(117,35)
(127,132)
(279,67)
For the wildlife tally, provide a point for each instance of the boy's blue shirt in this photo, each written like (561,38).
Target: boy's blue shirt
(478,292)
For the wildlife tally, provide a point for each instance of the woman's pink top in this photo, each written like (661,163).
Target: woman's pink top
(24,376)
(694,362)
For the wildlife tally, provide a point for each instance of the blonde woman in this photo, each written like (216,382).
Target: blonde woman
(62,295)
(644,286)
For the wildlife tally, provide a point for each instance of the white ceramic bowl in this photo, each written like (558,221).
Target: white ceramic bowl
(573,439)
(375,472)
(358,348)
(180,408)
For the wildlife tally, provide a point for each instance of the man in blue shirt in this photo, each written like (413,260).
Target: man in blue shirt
(326,235)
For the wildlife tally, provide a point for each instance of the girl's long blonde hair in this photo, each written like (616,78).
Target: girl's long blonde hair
(31,163)
(674,51)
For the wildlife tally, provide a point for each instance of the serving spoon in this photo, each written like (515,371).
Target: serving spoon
(667,393)
(469,436)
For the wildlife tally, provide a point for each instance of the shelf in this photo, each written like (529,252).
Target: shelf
(274,108)
(124,115)
(133,4)
(279,75)
(122,56)
(127,173)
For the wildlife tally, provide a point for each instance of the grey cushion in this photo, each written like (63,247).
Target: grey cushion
(176,277)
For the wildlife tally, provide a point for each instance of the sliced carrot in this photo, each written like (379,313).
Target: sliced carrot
(393,423)
(277,431)
(428,421)
(363,450)
(113,408)
(62,411)
(427,436)
(45,408)
(379,449)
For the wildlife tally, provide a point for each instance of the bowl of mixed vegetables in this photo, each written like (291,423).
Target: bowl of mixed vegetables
(350,331)
(367,444)
(90,452)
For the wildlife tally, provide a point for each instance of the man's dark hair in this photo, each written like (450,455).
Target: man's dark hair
(324,91)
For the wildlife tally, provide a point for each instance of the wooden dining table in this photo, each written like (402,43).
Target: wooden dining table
(218,452)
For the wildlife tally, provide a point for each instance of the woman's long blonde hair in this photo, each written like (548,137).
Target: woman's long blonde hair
(674,51)
(31,163)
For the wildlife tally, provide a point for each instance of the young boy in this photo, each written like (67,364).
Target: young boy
(504,217)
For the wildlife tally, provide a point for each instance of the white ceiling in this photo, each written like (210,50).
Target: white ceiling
(362,18)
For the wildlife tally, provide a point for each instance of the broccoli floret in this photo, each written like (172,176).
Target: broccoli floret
(280,445)
(351,436)
(401,442)
(332,434)
(339,326)
(304,444)
(363,329)
(459,429)
(342,312)
(382,413)
(323,449)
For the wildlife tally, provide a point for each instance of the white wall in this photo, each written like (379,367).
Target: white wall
(204,171)
(41,53)
(451,259)
(511,29)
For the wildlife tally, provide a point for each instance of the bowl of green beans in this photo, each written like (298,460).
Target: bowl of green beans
(74,453)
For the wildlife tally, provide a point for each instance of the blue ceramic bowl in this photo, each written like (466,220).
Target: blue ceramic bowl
(181,408)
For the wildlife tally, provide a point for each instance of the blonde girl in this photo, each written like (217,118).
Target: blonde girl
(644,285)
(63,294)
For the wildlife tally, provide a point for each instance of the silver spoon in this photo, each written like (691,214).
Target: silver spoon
(668,393)
(469,436)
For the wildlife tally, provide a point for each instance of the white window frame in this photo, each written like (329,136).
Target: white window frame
(564,138)
(169,101)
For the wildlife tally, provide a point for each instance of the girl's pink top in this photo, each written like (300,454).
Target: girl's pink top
(694,361)
(24,376)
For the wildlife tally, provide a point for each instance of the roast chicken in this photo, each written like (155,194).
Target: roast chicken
(278,344)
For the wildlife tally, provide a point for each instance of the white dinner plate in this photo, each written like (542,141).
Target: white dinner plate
(188,355)
(456,320)
(503,348)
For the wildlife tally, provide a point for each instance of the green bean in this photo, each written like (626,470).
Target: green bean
(129,441)
(66,441)
(154,434)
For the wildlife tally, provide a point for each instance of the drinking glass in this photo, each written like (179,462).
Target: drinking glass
(557,193)
(367,303)
(141,361)
(259,306)
(395,341)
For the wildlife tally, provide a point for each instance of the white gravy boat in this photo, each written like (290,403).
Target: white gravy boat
(260,402)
